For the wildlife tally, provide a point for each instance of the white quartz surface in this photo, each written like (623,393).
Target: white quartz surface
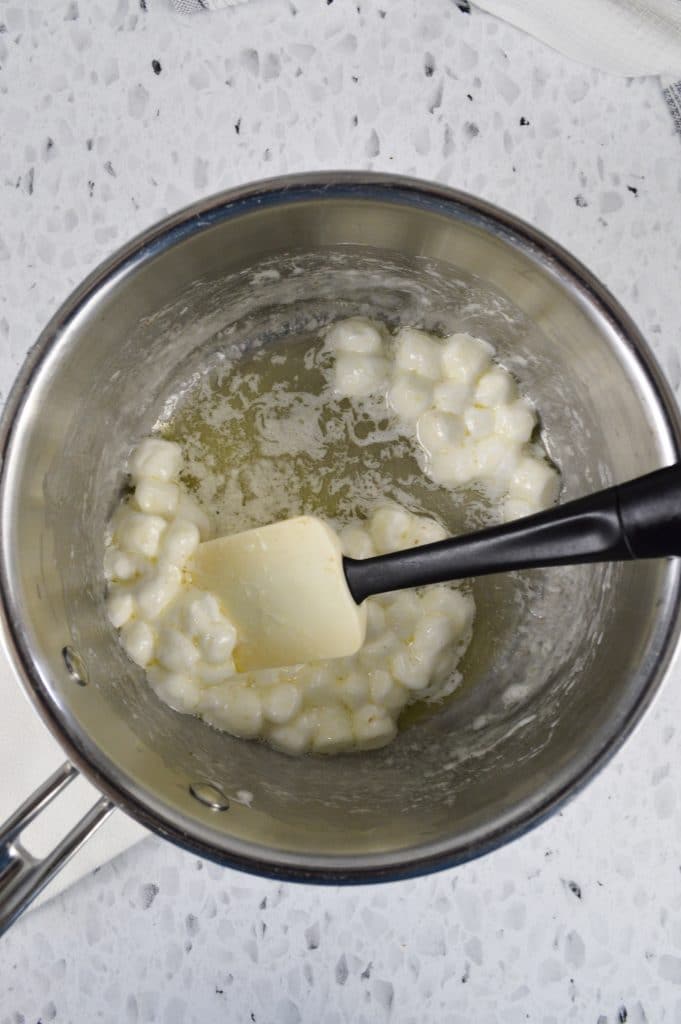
(581,919)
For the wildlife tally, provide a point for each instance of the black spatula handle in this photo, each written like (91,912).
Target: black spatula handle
(639,519)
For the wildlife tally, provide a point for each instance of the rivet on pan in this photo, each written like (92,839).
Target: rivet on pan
(209,795)
(75,666)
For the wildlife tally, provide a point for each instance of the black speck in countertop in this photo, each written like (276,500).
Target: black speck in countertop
(575,889)
(366,973)
(464,6)
(143,5)
(466,974)
(355,79)
(429,65)
(263,903)
(90,188)
(312,936)
(632,189)
(89,144)
(622,1015)
(471,129)
(108,167)
(581,201)
(382,14)
(156,66)
(148,894)
(355,120)
(237,127)
(524,122)
(469,97)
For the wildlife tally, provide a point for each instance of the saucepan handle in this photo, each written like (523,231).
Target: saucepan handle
(23,876)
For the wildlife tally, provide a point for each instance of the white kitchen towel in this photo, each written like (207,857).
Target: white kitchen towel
(624,37)
(28,755)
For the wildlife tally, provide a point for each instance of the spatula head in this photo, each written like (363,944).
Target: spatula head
(284,588)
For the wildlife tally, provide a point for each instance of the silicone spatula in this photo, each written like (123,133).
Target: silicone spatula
(294,597)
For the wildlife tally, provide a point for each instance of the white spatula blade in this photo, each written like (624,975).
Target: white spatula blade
(284,588)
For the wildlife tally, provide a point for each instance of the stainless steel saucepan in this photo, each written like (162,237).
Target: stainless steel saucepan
(563,663)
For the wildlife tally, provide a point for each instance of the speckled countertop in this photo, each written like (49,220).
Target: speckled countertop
(113,115)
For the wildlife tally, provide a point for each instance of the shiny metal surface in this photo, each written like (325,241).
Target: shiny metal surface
(582,650)
(23,876)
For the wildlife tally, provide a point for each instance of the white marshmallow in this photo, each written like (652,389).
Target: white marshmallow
(431,635)
(495,387)
(478,422)
(281,703)
(372,727)
(155,497)
(202,613)
(217,644)
(515,421)
(403,612)
(408,668)
(410,395)
(179,542)
(139,534)
(213,675)
(177,690)
(353,690)
(121,565)
(356,334)
(377,652)
(236,708)
(425,531)
(495,456)
(176,652)
(319,684)
(535,482)
(452,396)
(389,529)
(357,376)
(295,737)
(417,352)
(333,732)
(120,607)
(453,467)
(138,639)
(457,607)
(157,591)
(386,692)
(156,459)
(356,542)
(464,358)
(438,430)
